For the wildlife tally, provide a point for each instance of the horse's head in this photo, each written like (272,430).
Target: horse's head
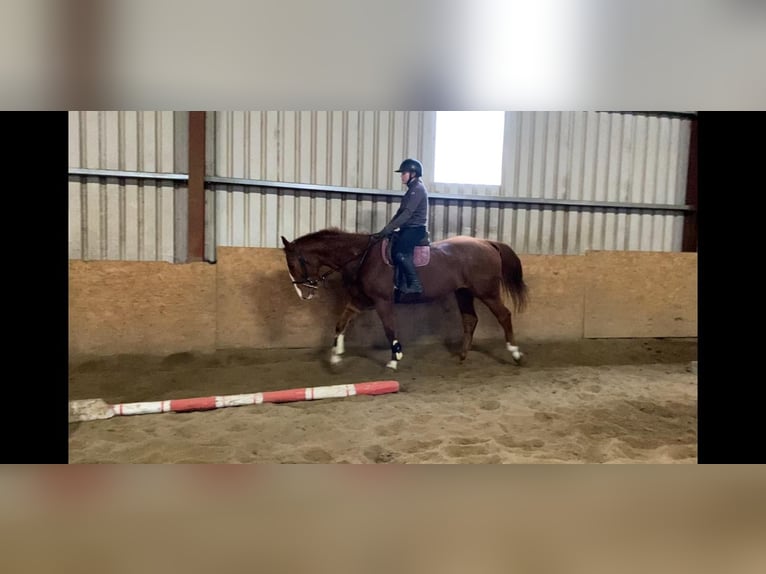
(304,273)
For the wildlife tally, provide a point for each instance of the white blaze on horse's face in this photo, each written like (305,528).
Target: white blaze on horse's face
(304,292)
(298,291)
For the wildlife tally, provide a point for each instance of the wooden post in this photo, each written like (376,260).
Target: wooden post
(196,186)
(690,221)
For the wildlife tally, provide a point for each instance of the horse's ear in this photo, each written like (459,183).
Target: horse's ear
(285,241)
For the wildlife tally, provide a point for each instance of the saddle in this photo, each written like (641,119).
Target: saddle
(421,255)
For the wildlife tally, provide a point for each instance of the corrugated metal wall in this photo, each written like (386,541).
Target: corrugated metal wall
(123,218)
(599,157)
(580,156)
(256,217)
(540,229)
(548,156)
(131,221)
(344,149)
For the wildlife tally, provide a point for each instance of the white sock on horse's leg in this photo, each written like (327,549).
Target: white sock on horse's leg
(339,347)
(514,351)
(337,350)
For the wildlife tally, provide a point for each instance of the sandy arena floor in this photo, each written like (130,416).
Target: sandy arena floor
(591,401)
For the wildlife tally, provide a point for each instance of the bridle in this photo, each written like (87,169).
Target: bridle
(310,283)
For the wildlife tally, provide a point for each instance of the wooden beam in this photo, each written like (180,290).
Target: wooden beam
(196,186)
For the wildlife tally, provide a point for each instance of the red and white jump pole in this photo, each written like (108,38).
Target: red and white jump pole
(94,409)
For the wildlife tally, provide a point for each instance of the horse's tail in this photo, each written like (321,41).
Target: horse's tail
(513,276)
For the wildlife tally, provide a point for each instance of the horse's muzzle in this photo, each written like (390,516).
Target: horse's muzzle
(308,290)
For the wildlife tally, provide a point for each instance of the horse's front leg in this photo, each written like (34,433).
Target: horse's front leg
(349,312)
(385,310)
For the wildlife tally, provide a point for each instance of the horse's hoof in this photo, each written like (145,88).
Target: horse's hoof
(515,353)
(335,359)
(393,365)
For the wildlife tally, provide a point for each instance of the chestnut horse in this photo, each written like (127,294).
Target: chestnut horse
(465,266)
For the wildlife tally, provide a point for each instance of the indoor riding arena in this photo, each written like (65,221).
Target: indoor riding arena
(179,289)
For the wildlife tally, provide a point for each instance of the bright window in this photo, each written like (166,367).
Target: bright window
(469,147)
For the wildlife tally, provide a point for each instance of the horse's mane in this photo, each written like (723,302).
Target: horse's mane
(327,235)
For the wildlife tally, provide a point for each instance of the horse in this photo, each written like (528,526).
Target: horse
(466,266)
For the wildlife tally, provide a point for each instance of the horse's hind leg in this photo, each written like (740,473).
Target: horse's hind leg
(465,304)
(349,312)
(503,315)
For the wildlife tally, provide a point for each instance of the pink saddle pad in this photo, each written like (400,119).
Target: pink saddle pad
(421,255)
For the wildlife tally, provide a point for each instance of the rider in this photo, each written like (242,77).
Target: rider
(412,221)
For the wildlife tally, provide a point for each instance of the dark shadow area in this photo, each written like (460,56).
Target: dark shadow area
(130,378)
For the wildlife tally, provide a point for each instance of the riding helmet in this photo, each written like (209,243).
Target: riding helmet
(411,165)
